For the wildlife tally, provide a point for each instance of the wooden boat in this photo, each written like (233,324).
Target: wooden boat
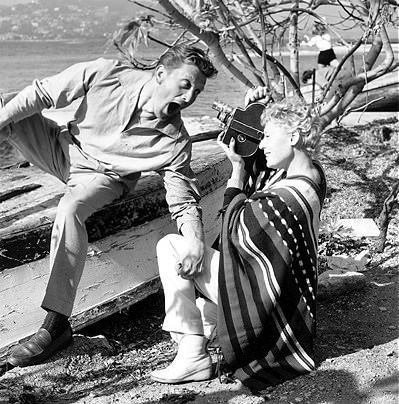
(121,266)
(380,95)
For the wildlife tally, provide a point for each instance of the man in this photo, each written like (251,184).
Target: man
(127,121)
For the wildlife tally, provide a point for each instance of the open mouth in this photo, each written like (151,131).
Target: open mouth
(173,108)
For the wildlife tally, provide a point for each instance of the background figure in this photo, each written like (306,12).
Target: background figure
(321,76)
(128,121)
(259,288)
(322,40)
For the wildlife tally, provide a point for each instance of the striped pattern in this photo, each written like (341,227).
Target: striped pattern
(267,281)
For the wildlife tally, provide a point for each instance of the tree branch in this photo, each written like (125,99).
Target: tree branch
(210,38)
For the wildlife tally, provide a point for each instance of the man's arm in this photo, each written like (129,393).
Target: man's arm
(182,196)
(55,91)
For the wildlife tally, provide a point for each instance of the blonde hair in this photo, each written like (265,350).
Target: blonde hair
(295,115)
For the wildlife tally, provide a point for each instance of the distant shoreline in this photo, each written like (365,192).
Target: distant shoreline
(304,49)
(58,40)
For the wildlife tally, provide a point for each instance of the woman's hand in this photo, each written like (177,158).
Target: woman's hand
(236,159)
(261,94)
(238,173)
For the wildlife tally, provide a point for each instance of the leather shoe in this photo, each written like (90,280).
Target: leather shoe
(38,348)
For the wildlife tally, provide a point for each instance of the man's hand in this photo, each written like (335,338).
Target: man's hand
(189,264)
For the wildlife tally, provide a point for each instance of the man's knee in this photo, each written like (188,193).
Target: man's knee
(87,195)
(71,207)
(169,245)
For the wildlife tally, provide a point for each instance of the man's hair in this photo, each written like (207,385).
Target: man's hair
(175,56)
(294,114)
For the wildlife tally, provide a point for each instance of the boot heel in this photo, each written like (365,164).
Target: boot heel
(204,374)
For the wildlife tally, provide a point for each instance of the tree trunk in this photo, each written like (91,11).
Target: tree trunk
(293,44)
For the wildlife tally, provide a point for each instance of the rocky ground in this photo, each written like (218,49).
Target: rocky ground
(357,332)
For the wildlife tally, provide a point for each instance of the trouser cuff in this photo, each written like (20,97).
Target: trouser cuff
(55,304)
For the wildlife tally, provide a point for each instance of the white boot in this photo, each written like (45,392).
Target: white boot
(192,362)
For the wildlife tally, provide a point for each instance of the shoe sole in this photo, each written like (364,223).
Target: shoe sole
(200,376)
(61,342)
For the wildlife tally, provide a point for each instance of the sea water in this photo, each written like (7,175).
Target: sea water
(23,61)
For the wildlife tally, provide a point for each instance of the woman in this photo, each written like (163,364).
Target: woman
(260,289)
(322,40)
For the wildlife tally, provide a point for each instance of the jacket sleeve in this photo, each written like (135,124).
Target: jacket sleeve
(56,91)
(182,192)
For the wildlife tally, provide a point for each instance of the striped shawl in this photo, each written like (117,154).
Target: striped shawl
(267,281)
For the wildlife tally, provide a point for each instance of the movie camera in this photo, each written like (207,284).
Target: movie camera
(241,124)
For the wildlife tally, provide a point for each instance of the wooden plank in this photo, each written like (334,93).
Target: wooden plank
(11,193)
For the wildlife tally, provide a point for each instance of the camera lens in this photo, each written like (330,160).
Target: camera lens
(221,107)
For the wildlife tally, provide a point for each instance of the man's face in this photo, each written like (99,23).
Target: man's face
(177,89)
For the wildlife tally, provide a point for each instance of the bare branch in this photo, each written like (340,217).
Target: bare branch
(210,38)
(149,8)
(262,26)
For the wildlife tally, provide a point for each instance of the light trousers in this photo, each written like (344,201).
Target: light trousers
(184,313)
(89,188)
